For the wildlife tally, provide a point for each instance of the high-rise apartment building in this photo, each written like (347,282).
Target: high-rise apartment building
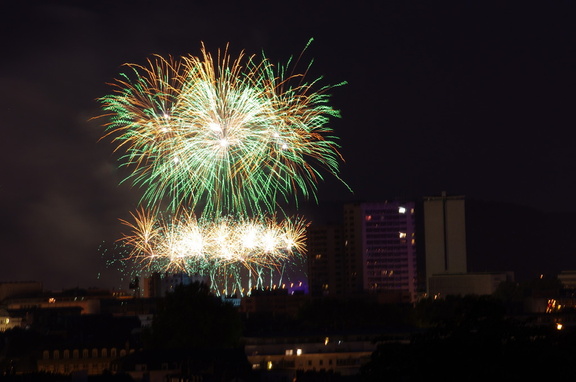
(373,251)
(444,235)
(384,238)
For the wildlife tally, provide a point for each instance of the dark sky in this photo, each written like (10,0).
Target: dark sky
(469,97)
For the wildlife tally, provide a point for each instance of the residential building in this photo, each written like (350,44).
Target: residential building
(88,360)
(374,250)
(284,357)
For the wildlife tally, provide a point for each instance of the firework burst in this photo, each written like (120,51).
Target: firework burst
(226,246)
(223,135)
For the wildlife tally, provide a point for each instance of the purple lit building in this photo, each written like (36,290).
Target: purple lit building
(373,251)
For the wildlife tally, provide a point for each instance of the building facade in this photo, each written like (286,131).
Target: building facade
(463,284)
(91,361)
(283,357)
(374,250)
(444,235)
(386,244)
(19,289)
(326,261)
(158,284)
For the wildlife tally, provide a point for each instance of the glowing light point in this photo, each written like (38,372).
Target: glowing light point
(215,126)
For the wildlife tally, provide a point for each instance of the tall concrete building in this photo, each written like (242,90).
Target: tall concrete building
(373,251)
(444,235)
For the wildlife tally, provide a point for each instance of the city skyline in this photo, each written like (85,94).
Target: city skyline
(472,99)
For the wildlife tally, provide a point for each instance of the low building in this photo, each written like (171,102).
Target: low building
(158,284)
(87,305)
(184,365)
(274,302)
(9,320)
(19,288)
(89,360)
(568,279)
(461,284)
(285,357)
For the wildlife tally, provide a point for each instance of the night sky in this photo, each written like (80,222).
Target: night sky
(469,97)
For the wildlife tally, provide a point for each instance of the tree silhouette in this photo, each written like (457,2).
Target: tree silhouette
(192,317)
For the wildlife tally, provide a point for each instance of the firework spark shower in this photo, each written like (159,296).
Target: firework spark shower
(224,135)
(222,143)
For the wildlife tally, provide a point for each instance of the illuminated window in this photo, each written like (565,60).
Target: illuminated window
(402,235)
(289,352)
(552,306)
(401,210)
